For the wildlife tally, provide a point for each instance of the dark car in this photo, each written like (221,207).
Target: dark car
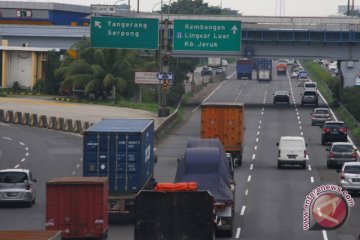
(334,131)
(281,97)
(309,97)
(339,153)
(207,71)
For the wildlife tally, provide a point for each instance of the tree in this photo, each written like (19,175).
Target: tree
(196,7)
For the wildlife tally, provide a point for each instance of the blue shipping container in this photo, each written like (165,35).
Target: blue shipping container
(122,150)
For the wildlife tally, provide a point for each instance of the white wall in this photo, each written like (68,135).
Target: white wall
(20,69)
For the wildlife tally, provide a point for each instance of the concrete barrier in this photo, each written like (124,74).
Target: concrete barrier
(18,118)
(52,123)
(9,116)
(34,121)
(60,125)
(86,125)
(2,116)
(78,126)
(43,121)
(26,119)
(69,125)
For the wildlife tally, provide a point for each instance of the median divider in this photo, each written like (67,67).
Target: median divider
(52,122)
(69,125)
(2,117)
(9,116)
(18,118)
(26,119)
(43,121)
(77,126)
(34,121)
(60,124)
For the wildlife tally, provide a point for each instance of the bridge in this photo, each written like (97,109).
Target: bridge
(299,37)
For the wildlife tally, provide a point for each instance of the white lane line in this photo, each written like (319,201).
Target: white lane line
(257,140)
(299,122)
(249,178)
(263,109)
(242,211)
(255,148)
(302,134)
(324,235)
(258,133)
(238,231)
(21,143)
(309,167)
(26,154)
(208,96)
(73,173)
(17,165)
(81,159)
(26,148)
(253,156)
(246,192)
(22,160)
(312,179)
(300,127)
(296,109)
(297,113)
(259,126)
(77,165)
(260,122)
(298,118)
(251,166)
(7,138)
(4,124)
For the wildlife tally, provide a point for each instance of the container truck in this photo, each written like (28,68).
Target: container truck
(30,235)
(263,68)
(225,121)
(281,69)
(214,62)
(209,168)
(78,206)
(244,68)
(123,151)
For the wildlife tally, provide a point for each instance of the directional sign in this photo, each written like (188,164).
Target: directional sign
(203,35)
(132,33)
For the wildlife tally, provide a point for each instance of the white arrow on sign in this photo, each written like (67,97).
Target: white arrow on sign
(234,29)
(98,24)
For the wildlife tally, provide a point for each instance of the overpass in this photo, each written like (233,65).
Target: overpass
(299,37)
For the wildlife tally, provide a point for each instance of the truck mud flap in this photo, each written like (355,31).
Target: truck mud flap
(174,215)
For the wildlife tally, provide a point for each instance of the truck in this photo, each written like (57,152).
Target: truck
(225,121)
(281,69)
(123,151)
(214,62)
(30,235)
(263,68)
(244,68)
(174,214)
(209,168)
(78,206)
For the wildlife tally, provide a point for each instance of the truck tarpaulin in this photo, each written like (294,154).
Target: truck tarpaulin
(206,166)
(174,215)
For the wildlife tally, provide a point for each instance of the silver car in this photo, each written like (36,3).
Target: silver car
(350,176)
(339,153)
(320,115)
(17,185)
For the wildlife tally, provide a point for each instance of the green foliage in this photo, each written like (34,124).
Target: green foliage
(195,7)
(351,96)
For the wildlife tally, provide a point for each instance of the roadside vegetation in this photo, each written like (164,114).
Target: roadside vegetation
(345,104)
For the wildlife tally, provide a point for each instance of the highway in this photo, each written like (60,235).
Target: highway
(269,201)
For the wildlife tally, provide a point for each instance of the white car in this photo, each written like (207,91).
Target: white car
(224,62)
(310,86)
(292,151)
(350,176)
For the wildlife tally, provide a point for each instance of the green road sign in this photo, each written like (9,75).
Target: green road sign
(134,33)
(204,35)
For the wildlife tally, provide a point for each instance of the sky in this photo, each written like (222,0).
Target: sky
(246,7)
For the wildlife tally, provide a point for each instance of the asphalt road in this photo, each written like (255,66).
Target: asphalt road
(269,201)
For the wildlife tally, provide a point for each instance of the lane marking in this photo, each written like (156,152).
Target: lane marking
(21,143)
(260,122)
(299,122)
(249,178)
(251,166)
(17,165)
(257,140)
(312,179)
(22,160)
(259,126)
(4,124)
(81,159)
(300,127)
(298,117)
(238,231)
(26,154)
(78,165)
(255,148)
(297,113)
(253,156)
(309,167)
(302,134)
(246,192)
(7,138)
(242,211)
(26,148)
(73,173)
(324,233)
(208,96)
(258,133)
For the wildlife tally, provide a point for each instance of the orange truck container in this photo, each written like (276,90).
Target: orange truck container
(30,235)
(78,207)
(225,121)
(281,69)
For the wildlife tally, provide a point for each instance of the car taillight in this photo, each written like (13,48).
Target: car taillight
(326,130)
(343,130)
(354,155)
(219,206)
(304,153)
(331,154)
(28,187)
(342,176)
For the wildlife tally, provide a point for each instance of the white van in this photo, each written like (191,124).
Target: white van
(310,86)
(292,150)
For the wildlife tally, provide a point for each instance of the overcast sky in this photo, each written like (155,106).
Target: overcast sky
(246,7)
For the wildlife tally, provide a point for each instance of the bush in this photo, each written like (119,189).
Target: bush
(351,96)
